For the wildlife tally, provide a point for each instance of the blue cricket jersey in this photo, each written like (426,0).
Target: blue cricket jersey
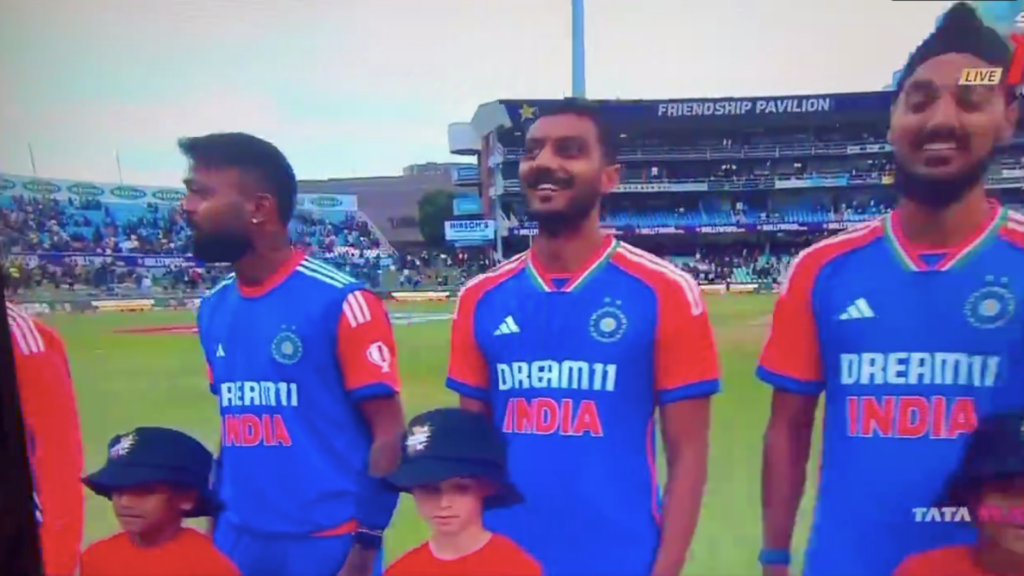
(573,369)
(289,361)
(910,349)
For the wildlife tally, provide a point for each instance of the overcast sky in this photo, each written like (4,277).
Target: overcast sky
(365,87)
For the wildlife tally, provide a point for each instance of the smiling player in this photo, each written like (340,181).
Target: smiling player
(910,326)
(571,346)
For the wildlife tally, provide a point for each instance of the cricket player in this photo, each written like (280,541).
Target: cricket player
(302,360)
(54,438)
(910,325)
(571,347)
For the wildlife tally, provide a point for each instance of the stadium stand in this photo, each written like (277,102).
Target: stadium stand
(730,188)
(69,235)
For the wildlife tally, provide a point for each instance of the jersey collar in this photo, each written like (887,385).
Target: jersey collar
(910,255)
(543,279)
(275,279)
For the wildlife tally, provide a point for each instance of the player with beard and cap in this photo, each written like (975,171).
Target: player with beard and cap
(302,359)
(570,347)
(910,325)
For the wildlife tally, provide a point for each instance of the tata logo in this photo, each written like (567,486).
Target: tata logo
(128,193)
(84,189)
(40,187)
(6,185)
(169,195)
(327,202)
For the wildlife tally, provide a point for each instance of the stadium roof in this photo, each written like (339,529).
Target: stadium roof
(771,109)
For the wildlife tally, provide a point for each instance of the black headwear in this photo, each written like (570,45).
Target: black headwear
(153,455)
(960,31)
(452,443)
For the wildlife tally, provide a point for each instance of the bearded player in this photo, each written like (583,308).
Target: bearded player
(909,325)
(570,347)
(302,359)
(50,412)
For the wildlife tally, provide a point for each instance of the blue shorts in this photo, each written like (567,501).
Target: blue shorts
(257,554)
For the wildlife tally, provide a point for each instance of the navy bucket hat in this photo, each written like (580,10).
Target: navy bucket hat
(153,455)
(994,451)
(452,443)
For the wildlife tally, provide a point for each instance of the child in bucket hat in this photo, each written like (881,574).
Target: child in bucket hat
(989,483)
(155,478)
(454,465)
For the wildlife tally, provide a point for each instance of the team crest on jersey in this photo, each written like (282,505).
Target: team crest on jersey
(417,439)
(286,348)
(991,306)
(609,323)
(123,446)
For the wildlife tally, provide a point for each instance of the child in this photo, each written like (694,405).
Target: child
(990,483)
(155,477)
(454,466)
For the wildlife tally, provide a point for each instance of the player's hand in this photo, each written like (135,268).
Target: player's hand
(776,571)
(359,562)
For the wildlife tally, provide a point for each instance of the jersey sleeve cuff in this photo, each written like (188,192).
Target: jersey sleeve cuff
(468,390)
(699,389)
(788,383)
(373,390)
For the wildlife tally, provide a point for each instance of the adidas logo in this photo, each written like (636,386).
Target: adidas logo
(859,309)
(507,326)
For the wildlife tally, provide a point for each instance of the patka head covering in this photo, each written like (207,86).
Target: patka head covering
(960,31)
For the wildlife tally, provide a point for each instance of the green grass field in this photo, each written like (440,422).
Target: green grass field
(129,380)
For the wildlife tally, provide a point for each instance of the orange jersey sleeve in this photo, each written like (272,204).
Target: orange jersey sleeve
(685,356)
(366,347)
(55,445)
(468,371)
(791,359)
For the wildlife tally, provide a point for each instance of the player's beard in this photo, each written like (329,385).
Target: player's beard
(555,223)
(938,192)
(225,247)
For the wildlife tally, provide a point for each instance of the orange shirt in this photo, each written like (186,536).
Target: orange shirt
(948,561)
(189,554)
(48,407)
(499,557)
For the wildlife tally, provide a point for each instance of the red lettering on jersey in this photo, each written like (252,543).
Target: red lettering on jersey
(550,416)
(252,430)
(909,416)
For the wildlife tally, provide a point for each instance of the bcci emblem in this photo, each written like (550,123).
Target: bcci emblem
(417,439)
(608,323)
(123,446)
(991,306)
(286,348)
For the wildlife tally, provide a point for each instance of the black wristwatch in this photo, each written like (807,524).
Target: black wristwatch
(368,539)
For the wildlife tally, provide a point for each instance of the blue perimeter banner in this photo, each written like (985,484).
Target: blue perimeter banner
(89,258)
(523,112)
(531,229)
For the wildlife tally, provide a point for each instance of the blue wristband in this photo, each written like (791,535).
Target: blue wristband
(776,557)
